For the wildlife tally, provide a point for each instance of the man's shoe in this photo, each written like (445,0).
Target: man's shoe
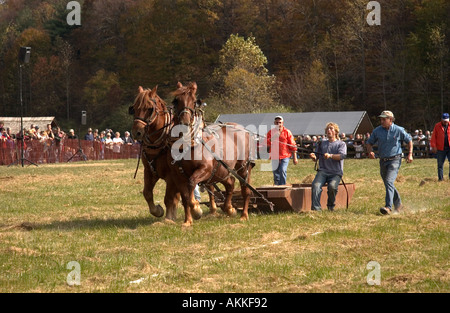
(385,211)
(331,208)
(399,209)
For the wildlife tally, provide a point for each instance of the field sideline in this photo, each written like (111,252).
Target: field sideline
(85,227)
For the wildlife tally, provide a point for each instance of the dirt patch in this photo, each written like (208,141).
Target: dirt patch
(23,226)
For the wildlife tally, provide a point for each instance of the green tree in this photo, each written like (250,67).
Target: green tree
(243,82)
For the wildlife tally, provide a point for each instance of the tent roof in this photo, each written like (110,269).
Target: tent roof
(14,122)
(306,123)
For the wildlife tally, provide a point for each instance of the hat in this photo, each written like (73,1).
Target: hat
(279,117)
(386,114)
(445,117)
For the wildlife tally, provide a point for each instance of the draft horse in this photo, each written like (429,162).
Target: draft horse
(151,127)
(216,151)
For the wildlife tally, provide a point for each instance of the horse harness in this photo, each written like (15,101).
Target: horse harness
(161,143)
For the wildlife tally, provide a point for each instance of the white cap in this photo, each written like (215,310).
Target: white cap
(279,117)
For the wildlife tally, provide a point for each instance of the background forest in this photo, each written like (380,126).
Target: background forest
(245,55)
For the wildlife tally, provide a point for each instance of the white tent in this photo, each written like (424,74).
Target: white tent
(14,122)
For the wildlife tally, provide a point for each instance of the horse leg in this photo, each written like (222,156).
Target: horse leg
(199,175)
(212,200)
(188,204)
(229,188)
(197,211)
(246,193)
(171,200)
(149,183)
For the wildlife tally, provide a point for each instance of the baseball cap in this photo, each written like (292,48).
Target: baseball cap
(279,117)
(386,114)
(445,117)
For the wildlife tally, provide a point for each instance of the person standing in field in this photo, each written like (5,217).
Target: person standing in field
(282,145)
(390,137)
(440,144)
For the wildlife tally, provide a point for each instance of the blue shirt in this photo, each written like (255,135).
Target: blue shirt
(331,166)
(89,136)
(389,140)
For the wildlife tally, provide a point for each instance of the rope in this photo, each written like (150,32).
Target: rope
(139,160)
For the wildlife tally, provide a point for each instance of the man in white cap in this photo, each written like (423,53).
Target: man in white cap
(390,137)
(440,143)
(282,146)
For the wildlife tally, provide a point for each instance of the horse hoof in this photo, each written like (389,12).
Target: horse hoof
(244,218)
(213,213)
(231,212)
(186,224)
(169,221)
(197,213)
(158,211)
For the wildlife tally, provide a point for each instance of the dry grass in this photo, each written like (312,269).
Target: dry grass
(94,214)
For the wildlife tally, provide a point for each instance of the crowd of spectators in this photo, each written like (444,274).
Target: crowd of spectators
(356,144)
(52,145)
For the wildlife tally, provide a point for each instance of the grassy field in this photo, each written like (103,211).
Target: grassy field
(94,215)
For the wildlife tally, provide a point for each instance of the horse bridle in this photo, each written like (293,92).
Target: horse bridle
(152,118)
(147,122)
(187,110)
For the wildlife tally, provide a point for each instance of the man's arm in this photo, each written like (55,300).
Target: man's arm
(369,151)
(293,147)
(340,155)
(409,158)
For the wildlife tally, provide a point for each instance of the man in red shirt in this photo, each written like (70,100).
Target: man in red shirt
(440,143)
(282,145)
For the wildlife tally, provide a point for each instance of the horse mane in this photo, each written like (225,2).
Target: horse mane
(144,100)
(183,90)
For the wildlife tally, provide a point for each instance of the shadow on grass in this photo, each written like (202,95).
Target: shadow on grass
(129,223)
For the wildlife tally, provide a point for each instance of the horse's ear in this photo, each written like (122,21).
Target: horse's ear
(140,89)
(154,90)
(194,87)
(179,85)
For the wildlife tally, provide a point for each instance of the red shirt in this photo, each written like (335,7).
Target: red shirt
(437,139)
(286,143)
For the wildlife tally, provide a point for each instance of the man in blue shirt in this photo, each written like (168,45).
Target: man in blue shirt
(89,136)
(332,153)
(390,137)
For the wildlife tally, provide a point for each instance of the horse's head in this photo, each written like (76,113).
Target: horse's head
(184,103)
(145,110)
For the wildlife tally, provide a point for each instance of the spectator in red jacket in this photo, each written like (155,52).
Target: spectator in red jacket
(282,145)
(440,143)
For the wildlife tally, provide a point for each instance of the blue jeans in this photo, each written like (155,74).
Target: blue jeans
(197,194)
(321,178)
(441,156)
(279,168)
(388,171)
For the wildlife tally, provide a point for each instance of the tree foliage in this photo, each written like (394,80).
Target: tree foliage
(242,80)
(310,55)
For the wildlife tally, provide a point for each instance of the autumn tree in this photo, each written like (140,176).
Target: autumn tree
(101,96)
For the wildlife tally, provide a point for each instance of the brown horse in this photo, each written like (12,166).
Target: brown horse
(213,149)
(151,126)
